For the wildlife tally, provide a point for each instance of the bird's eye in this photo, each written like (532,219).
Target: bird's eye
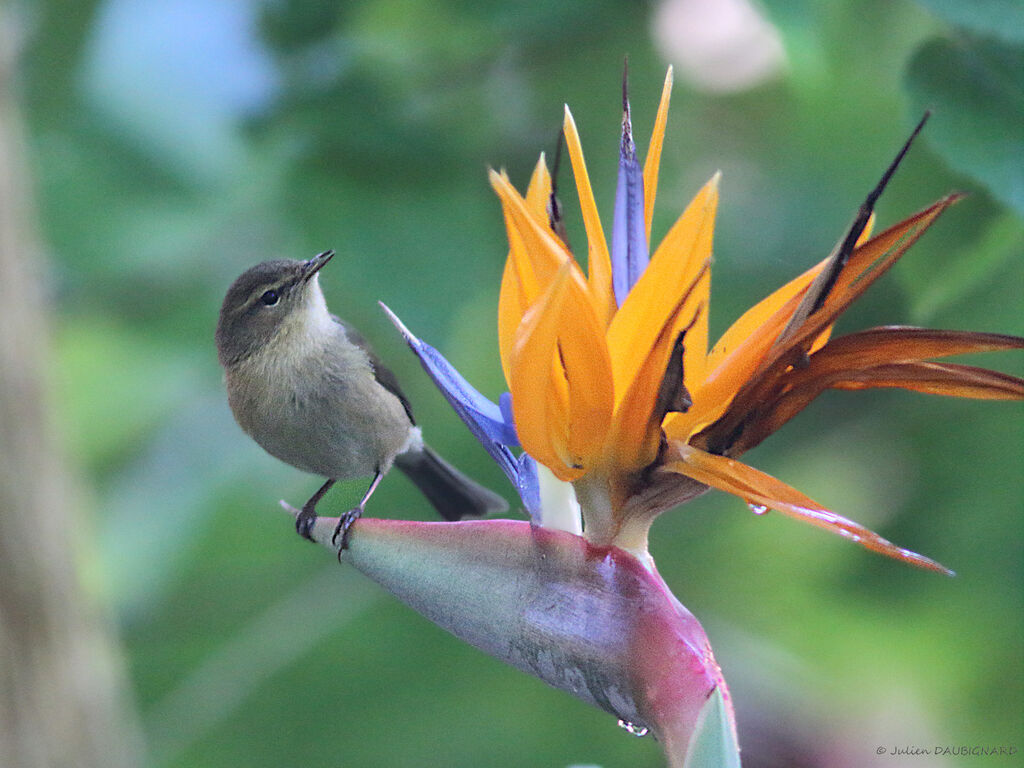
(270,298)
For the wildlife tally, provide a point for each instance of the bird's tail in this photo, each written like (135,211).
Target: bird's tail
(453,494)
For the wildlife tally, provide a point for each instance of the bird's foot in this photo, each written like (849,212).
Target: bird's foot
(305,521)
(342,529)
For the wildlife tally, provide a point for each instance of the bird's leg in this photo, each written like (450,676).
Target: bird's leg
(353,514)
(305,519)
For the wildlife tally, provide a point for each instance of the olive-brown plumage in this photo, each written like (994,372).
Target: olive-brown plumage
(309,390)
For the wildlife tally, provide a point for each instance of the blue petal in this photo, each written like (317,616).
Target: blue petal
(505,404)
(629,254)
(528,485)
(490,424)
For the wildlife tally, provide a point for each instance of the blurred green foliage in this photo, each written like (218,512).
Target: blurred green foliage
(174,144)
(977,88)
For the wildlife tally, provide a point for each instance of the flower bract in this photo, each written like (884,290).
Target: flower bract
(613,386)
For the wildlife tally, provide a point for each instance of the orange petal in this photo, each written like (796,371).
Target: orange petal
(746,329)
(582,350)
(576,411)
(746,332)
(545,252)
(519,289)
(672,275)
(867,263)
(729,367)
(821,340)
(758,488)
(695,364)
(637,424)
(735,383)
(865,235)
(540,414)
(599,264)
(510,314)
(654,153)
(583,354)
(539,191)
(518,285)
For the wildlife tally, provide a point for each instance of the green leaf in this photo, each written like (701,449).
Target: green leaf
(976,89)
(999,18)
(714,739)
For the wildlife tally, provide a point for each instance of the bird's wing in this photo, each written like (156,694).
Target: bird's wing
(385,377)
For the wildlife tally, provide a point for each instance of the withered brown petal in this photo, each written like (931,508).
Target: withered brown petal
(893,343)
(867,263)
(826,279)
(947,379)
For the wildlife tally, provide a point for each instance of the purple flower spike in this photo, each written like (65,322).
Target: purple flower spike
(629,254)
(592,621)
(490,424)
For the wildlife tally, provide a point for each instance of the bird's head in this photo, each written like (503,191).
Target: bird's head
(264,300)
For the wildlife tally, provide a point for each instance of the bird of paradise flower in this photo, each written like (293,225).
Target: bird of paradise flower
(622,412)
(613,388)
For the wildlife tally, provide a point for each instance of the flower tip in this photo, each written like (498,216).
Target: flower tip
(625,85)
(498,179)
(406,333)
(716,180)
(921,561)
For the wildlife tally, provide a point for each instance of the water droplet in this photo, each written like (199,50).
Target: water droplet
(758,509)
(634,730)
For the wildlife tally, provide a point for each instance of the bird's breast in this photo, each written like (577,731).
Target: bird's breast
(319,409)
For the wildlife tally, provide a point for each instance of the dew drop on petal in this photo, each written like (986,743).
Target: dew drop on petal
(634,730)
(758,509)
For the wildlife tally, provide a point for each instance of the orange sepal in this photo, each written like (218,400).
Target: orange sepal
(740,380)
(637,425)
(599,263)
(673,275)
(865,235)
(519,289)
(758,488)
(947,379)
(583,354)
(541,414)
(518,284)
(539,191)
(545,252)
(745,336)
(867,263)
(893,343)
(653,160)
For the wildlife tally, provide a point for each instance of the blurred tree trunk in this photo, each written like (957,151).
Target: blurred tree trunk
(62,699)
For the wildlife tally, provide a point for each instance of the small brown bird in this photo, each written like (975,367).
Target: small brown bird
(307,387)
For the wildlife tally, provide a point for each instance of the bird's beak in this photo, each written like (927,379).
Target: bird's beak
(315,264)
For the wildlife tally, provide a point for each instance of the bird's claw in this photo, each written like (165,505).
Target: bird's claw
(304,523)
(344,526)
